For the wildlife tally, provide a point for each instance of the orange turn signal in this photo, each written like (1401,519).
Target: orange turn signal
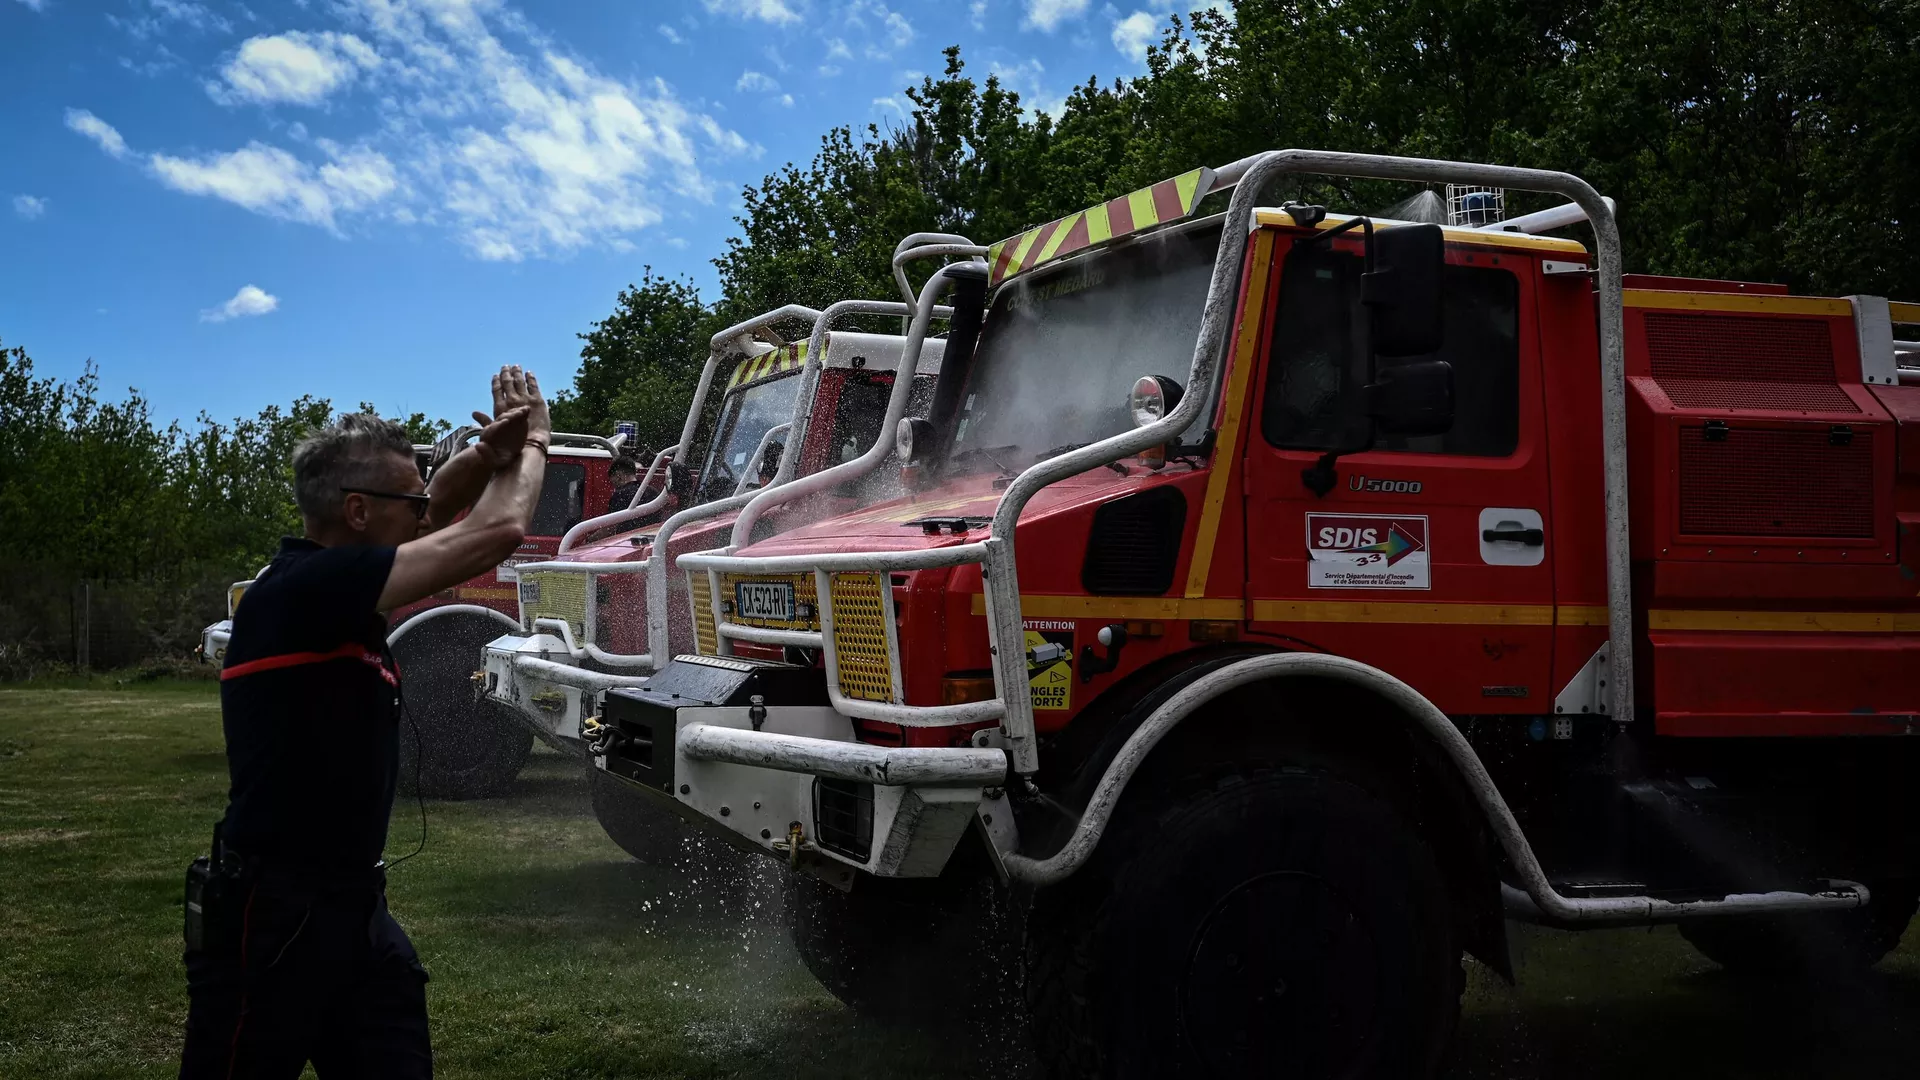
(1213,630)
(959,690)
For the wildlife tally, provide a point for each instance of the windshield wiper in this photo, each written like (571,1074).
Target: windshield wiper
(989,453)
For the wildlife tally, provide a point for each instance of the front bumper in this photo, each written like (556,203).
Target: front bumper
(550,692)
(793,782)
(213,642)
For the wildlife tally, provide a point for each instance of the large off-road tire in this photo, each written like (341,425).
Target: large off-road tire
(1276,923)
(924,953)
(655,835)
(1826,946)
(453,743)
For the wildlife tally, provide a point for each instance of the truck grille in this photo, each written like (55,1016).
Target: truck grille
(860,637)
(706,637)
(843,817)
(553,594)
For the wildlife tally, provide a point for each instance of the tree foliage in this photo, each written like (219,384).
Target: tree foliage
(160,516)
(1771,140)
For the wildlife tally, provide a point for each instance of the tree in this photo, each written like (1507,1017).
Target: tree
(641,362)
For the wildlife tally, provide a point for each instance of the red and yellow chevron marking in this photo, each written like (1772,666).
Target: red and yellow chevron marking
(1157,204)
(783,359)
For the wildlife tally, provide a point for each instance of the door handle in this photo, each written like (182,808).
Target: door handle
(1529,537)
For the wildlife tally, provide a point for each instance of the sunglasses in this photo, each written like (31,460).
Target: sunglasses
(420,502)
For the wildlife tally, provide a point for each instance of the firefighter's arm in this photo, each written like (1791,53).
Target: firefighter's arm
(457,484)
(444,558)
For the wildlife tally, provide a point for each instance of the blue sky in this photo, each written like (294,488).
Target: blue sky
(226,204)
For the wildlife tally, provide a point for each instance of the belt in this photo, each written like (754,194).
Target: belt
(299,875)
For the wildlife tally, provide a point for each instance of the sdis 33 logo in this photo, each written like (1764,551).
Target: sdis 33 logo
(1368,551)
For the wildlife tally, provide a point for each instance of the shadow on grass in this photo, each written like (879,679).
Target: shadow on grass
(1705,1023)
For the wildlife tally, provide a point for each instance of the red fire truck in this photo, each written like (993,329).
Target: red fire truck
(467,748)
(603,614)
(1289,598)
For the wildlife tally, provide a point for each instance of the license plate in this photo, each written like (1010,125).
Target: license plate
(763,600)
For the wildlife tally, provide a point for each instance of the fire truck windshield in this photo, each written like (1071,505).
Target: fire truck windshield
(1060,350)
(744,418)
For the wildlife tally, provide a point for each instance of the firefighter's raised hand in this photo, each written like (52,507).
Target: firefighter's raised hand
(514,388)
(501,437)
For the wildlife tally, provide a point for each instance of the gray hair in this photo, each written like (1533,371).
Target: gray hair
(349,452)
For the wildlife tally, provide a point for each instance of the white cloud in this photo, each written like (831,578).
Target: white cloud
(899,30)
(672,35)
(890,103)
(480,125)
(296,68)
(773,57)
(828,71)
(772,11)
(98,130)
(977,14)
(1134,33)
(250,301)
(270,181)
(754,82)
(29,207)
(35,5)
(1047,15)
(786,100)
(157,16)
(837,50)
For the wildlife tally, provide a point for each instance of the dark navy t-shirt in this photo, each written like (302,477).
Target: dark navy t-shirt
(310,700)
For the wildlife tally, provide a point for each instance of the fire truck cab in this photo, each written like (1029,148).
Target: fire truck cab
(1287,598)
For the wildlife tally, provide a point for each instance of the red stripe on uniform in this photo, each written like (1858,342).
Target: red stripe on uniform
(1166,200)
(240,1022)
(1120,216)
(287,660)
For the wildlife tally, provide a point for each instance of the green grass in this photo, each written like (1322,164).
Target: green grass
(553,955)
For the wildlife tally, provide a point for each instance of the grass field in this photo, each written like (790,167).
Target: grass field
(553,955)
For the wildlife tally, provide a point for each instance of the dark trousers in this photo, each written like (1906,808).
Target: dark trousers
(293,974)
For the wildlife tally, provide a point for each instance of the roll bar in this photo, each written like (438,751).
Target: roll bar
(655,565)
(784,492)
(725,345)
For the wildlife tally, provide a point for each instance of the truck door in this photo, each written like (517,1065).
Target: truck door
(1429,558)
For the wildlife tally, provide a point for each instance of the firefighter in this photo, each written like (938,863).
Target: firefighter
(624,476)
(291,953)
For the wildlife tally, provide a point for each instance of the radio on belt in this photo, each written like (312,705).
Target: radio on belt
(644,715)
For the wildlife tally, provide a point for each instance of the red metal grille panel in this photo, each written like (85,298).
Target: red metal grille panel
(1744,362)
(1728,394)
(1769,482)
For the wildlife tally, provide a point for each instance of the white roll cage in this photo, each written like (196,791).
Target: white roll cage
(1012,705)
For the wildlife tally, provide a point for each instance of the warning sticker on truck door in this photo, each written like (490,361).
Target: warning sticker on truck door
(1367,551)
(1050,663)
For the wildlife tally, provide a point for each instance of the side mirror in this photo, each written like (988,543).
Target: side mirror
(1402,291)
(1412,399)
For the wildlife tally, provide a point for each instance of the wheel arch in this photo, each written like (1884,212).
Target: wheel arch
(462,612)
(1332,713)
